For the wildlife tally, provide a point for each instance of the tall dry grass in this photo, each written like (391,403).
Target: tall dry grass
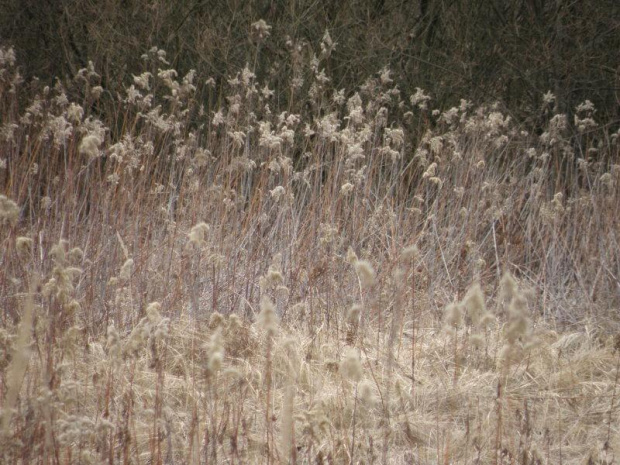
(373,280)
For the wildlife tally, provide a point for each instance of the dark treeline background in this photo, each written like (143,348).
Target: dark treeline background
(512,51)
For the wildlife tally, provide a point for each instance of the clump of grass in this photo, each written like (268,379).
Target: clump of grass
(185,225)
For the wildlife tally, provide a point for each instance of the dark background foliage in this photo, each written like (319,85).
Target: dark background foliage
(507,50)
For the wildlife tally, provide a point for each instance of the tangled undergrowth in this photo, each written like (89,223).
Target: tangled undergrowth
(374,280)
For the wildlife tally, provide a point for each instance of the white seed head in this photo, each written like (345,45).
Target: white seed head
(90,146)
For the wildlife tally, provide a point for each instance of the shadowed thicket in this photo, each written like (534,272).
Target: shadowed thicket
(512,51)
(238,281)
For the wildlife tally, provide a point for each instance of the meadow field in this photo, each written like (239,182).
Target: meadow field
(193,273)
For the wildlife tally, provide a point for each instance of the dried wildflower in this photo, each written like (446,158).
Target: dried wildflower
(23,246)
(351,256)
(277,193)
(548,98)
(351,366)
(437,181)
(197,234)
(113,343)
(347,188)
(420,99)
(215,352)
(9,211)
(410,253)
(474,304)
(267,317)
(453,316)
(260,30)
(327,45)
(90,146)
(508,287)
(126,270)
(216,320)
(366,392)
(152,313)
(365,273)
(430,171)
(353,315)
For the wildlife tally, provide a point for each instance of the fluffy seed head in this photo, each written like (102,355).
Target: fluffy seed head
(351,256)
(267,317)
(365,272)
(353,315)
(90,146)
(474,304)
(454,315)
(23,246)
(9,211)
(410,253)
(197,234)
(126,270)
(351,367)
(366,392)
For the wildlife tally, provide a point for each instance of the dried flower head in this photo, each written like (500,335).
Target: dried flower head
(454,315)
(353,315)
(474,304)
(197,234)
(410,253)
(365,273)
(90,146)
(260,30)
(24,246)
(126,270)
(351,256)
(9,211)
(351,366)
(267,317)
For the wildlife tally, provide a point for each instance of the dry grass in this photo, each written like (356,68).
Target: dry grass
(252,286)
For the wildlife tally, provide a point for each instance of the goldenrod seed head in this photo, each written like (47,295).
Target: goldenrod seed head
(197,234)
(23,246)
(351,366)
(267,317)
(365,272)
(410,253)
(454,315)
(474,304)
(9,211)
(215,362)
(508,287)
(366,392)
(353,315)
(351,256)
(152,313)
(90,146)
(347,188)
(216,320)
(59,252)
(126,270)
